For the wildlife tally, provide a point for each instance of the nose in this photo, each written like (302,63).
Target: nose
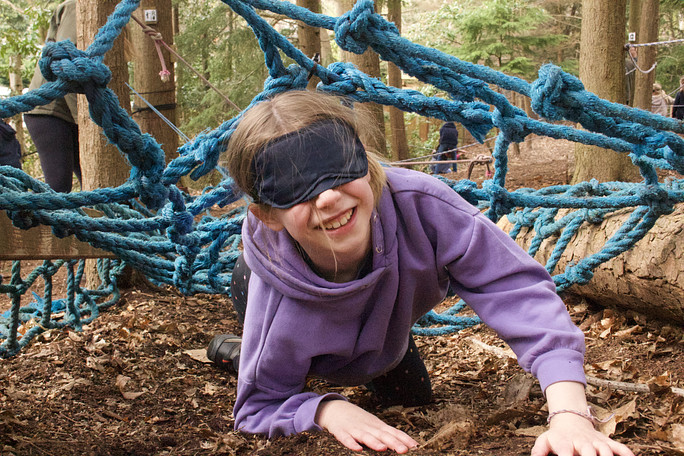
(327,198)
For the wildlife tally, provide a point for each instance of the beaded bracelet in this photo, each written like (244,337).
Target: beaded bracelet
(589,414)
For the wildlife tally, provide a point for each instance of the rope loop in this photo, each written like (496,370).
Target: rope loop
(63,61)
(656,197)
(294,78)
(351,27)
(551,91)
(514,128)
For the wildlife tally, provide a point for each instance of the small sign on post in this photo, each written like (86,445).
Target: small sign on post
(632,37)
(150,16)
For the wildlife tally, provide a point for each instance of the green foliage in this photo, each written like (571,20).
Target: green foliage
(513,36)
(670,58)
(220,45)
(22,30)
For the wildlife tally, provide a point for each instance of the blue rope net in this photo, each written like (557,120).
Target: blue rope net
(151,225)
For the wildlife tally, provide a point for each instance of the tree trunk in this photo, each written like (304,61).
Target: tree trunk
(369,63)
(310,37)
(648,32)
(400,149)
(602,72)
(16,88)
(648,278)
(102,165)
(159,91)
(634,19)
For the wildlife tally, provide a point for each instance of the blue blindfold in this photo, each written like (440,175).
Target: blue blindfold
(300,165)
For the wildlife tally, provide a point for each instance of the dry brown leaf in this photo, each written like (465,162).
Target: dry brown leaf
(455,434)
(198,355)
(534,431)
(626,411)
(675,435)
(131,395)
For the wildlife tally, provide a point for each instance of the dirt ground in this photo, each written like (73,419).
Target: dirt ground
(133,382)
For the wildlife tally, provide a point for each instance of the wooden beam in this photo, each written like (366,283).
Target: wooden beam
(38,243)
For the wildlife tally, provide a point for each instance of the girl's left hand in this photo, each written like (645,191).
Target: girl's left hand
(571,435)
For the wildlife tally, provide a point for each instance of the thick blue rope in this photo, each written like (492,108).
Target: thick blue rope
(173,239)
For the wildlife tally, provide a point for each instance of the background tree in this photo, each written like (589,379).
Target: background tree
(602,72)
(398,140)
(648,33)
(670,58)
(158,90)
(369,63)
(220,45)
(23,25)
(310,37)
(513,36)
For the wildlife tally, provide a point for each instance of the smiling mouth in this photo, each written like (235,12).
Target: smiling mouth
(341,221)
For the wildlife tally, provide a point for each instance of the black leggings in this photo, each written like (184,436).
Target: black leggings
(408,384)
(57,143)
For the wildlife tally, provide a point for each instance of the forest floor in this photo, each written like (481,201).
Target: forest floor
(136,382)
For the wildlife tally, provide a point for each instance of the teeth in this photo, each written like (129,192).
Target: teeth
(339,222)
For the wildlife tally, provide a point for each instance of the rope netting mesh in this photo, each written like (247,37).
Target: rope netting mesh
(173,238)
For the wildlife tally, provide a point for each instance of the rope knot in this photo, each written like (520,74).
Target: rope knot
(294,78)
(656,197)
(63,61)
(351,27)
(513,127)
(549,91)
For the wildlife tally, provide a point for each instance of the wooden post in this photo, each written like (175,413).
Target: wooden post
(646,56)
(310,37)
(159,90)
(102,165)
(369,63)
(400,150)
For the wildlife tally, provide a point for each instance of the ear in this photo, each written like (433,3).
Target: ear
(266,217)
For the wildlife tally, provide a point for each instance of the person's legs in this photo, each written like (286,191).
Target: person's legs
(224,349)
(239,284)
(57,143)
(408,384)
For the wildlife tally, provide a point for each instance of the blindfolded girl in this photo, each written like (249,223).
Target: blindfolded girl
(341,258)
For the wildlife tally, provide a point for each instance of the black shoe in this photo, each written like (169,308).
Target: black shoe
(224,351)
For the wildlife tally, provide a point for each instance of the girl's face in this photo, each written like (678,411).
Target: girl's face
(333,228)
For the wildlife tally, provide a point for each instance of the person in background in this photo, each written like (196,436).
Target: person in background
(446,150)
(10,150)
(660,101)
(53,127)
(630,74)
(342,256)
(678,106)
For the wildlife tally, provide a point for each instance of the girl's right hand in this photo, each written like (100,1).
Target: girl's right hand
(352,427)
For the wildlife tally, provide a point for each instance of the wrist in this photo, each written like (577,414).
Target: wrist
(587,415)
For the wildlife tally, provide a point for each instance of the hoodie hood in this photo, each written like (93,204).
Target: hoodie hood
(274,256)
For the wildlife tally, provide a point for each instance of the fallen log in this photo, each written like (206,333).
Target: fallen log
(648,278)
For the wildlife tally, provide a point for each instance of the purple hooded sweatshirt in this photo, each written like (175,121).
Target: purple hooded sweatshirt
(424,237)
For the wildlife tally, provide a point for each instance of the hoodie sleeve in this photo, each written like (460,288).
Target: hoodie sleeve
(262,411)
(511,292)
(273,368)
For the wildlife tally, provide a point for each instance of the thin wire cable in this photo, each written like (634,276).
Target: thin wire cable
(157,112)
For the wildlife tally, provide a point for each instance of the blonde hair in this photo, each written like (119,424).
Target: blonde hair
(286,113)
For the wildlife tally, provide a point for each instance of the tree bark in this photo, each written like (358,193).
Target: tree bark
(16,88)
(369,63)
(648,32)
(648,278)
(147,80)
(602,70)
(310,37)
(400,149)
(102,165)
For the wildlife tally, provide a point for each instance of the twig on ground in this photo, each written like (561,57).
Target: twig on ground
(594,381)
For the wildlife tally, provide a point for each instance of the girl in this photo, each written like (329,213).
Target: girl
(343,257)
